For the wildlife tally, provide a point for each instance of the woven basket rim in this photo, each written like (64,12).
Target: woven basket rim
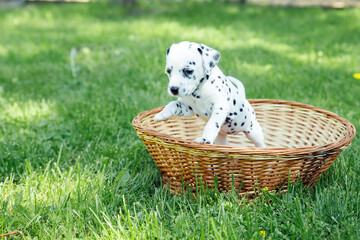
(339,144)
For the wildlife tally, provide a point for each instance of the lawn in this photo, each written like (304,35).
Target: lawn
(73,76)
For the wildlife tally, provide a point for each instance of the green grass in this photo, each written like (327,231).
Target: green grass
(71,165)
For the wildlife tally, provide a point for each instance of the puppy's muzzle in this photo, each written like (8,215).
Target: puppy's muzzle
(174,90)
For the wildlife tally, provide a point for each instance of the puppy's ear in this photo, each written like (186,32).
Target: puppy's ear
(169,49)
(209,56)
(167,53)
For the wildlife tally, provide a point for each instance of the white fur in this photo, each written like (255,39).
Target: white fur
(202,89)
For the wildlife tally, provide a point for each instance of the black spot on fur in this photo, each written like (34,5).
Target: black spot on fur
(234,102)
(241,109)
(243,123)
(200,51)
(204,140)
(211,64)
(190,108)
(167,52)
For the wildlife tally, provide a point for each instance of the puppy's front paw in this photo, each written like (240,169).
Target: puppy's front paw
(158,117)
(163,115)
(202,140)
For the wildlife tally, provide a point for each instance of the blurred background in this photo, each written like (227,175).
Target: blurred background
(293,3)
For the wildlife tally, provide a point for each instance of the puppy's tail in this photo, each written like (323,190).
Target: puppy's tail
(238,84)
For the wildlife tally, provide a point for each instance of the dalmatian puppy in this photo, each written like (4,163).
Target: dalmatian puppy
(202,89)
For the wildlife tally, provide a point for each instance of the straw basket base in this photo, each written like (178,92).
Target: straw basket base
(303,143)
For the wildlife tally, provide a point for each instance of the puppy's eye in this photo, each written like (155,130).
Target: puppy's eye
(188,72)
(168,71)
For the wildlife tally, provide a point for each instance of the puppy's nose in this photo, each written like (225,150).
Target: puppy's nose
(174,90)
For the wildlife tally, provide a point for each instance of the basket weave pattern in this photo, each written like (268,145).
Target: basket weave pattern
(302,141)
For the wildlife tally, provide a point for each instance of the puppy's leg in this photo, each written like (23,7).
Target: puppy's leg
(221,139)
(256,135)
(213,126)
(173,108)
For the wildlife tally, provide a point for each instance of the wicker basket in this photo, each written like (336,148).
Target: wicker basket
(303,141)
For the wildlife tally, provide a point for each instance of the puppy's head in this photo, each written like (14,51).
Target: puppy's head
(187,64)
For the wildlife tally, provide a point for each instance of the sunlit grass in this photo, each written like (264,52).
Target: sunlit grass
(71,165)
(26,111)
